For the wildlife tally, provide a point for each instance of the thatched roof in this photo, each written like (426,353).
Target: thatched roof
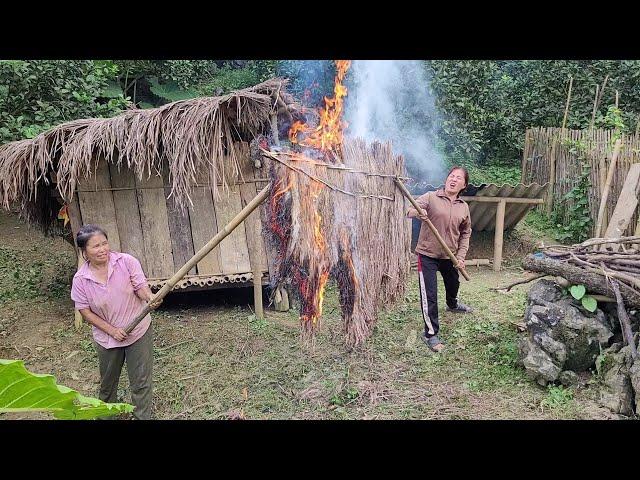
(191,135)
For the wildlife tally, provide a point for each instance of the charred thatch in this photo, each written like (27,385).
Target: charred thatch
(341,220)
(189,136)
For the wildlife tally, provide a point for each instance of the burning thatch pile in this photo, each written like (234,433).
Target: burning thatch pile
(334,212)
(342,221)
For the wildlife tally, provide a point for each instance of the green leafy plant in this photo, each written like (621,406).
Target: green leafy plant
(23,391)
(579,292)
(257,323)
(577,226)
(557,397)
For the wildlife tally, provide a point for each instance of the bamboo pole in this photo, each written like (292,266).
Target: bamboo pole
(595,105)
(566,108)
(552,174)
(607,187)
(433,229)
(230,227)
(499,236)
(77,316)
(257,294)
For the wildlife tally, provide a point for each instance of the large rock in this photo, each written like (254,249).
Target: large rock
(560,336)
(614,366)
(634,375)
(537,362)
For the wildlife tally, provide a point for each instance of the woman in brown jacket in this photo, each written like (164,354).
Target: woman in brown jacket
(450,215)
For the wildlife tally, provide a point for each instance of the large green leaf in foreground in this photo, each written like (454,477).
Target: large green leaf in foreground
(23,391)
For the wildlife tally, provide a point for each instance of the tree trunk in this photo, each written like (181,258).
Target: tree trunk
(593,282)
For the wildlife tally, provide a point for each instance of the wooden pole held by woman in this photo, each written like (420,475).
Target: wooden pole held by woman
(433,229)
(230,227)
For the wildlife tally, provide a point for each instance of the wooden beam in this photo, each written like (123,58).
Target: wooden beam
(476,262)
(625,206)
(499,235)
(505,199)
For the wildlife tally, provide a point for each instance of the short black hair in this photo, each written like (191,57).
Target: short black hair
(86,232)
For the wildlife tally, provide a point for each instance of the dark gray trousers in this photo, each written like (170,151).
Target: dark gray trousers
(139,358)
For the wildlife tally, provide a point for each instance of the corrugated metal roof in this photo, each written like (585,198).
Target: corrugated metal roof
(483,214)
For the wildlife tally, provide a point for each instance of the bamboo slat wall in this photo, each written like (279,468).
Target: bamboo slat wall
(542,143)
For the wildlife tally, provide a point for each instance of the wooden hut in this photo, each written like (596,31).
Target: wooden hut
(160,181)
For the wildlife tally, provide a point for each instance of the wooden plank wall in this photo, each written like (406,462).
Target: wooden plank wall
(97,207)
(234,253)
(141,220)
(155,226)
(179,226)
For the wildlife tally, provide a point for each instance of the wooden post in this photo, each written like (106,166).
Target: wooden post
(224,232)
(257,294)
(566,108)
(606,187)
(552,175)
(599,92)
(617,98)
(499,235)
(75,219)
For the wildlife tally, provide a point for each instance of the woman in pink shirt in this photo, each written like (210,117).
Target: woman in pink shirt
(109,290)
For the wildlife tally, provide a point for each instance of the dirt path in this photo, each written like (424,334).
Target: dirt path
(214,360)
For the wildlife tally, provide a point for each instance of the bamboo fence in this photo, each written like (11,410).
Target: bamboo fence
(544,143)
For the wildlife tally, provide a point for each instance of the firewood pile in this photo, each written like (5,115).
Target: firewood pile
(608,266)
(595,263)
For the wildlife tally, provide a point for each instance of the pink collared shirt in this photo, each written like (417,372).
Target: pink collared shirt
(115,302)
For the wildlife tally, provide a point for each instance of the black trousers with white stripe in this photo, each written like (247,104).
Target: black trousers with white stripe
(427,268)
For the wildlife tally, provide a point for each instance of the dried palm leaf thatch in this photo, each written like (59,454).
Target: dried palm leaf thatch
(192,135)
(343,221)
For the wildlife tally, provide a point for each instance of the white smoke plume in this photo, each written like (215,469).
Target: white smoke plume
(390,100)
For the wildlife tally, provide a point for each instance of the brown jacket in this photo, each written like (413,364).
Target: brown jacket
(451,219)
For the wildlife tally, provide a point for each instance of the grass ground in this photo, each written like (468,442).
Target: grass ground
(215,360)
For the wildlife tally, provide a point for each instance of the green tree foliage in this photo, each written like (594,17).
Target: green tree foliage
(486,106)
(39,94)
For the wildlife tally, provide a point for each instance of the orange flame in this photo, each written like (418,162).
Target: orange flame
(327,136)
